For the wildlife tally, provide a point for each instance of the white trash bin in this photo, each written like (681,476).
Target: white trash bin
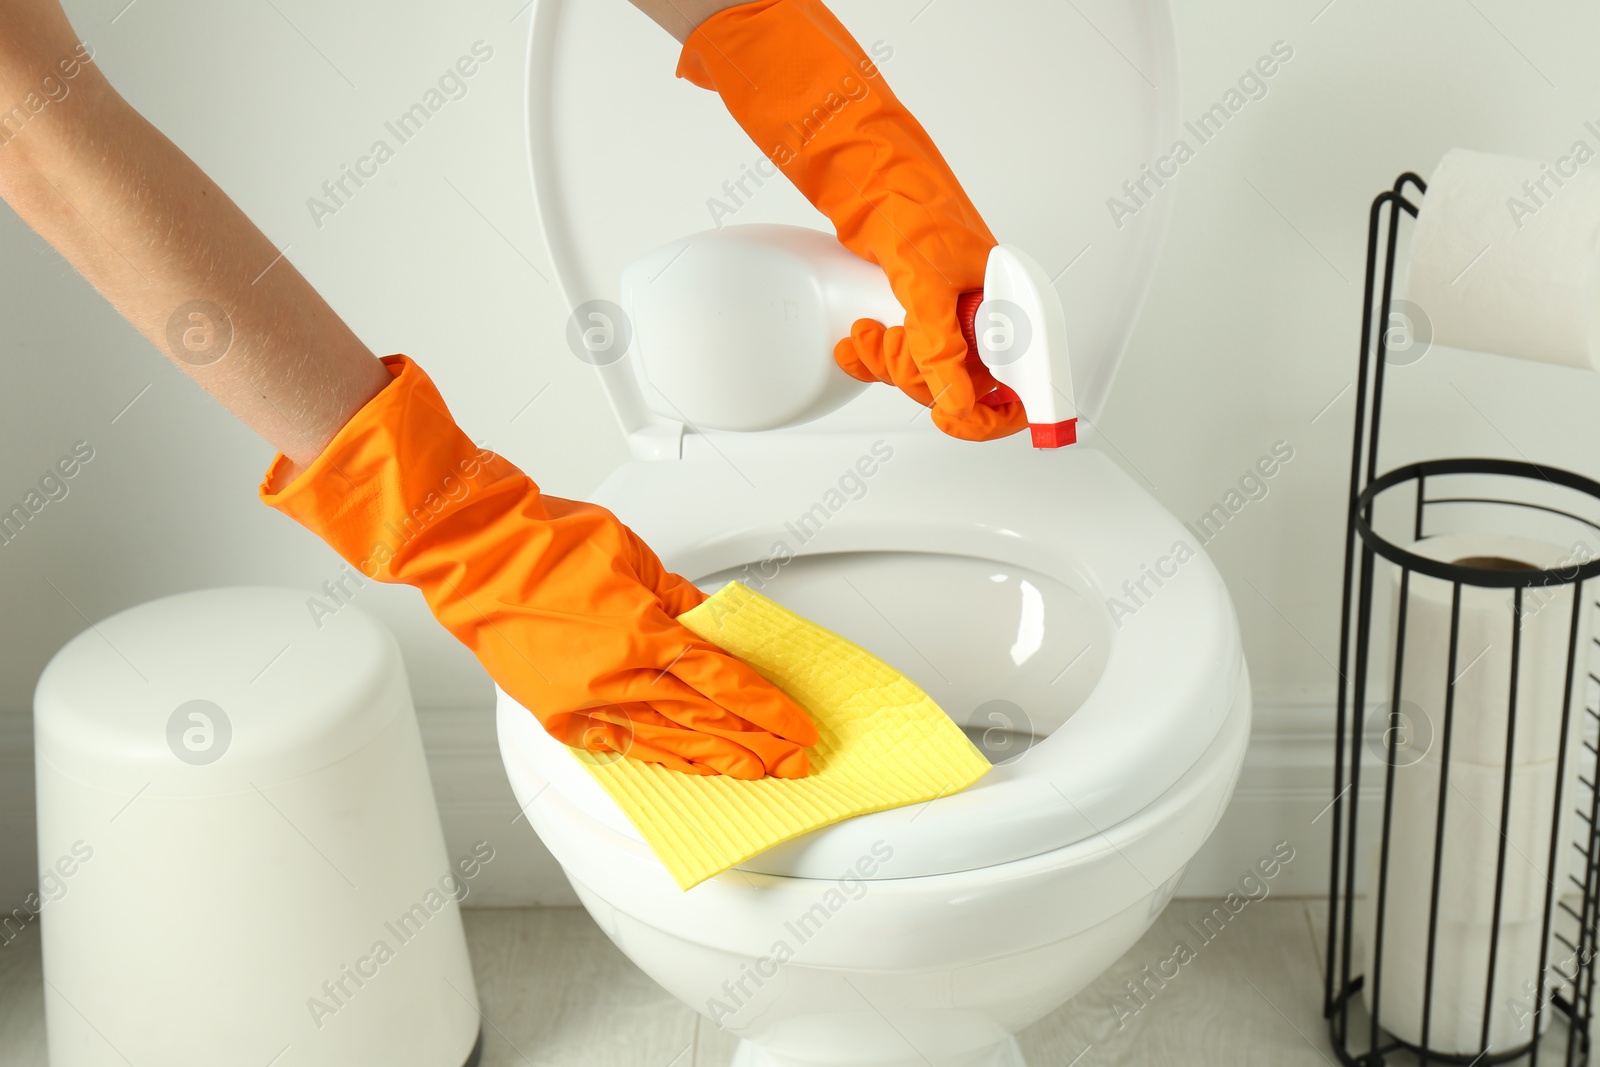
(241,860)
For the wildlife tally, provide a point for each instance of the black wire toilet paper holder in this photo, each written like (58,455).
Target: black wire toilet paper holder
(1571,912)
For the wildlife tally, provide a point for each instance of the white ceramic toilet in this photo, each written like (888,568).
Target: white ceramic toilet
(931,934)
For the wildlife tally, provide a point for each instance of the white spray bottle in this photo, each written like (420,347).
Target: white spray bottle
(734,329)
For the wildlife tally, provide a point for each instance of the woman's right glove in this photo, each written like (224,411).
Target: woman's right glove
(807,94)
(568,611)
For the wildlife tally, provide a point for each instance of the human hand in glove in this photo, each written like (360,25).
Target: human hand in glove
(568,611)
(807,94)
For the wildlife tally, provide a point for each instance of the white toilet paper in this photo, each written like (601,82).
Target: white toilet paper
(1503,259)
(1475,795)
(1483,655)
(1466,901)
(1471,842)
(1460,971)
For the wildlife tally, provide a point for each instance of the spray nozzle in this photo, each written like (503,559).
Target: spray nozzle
(1016,328)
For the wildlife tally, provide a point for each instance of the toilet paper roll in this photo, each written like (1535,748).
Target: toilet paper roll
(1503,259)
(1483,656)
(1460,973)
(1473,832)
(1471,842)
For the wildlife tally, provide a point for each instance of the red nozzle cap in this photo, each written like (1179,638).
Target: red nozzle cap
(1054,434)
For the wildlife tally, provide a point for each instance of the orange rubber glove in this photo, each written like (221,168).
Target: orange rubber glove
(568,611)
(802,88)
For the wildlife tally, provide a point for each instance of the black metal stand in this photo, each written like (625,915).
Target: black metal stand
(1558,497)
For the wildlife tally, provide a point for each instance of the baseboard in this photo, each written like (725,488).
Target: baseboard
(18,860)
(476,804)
(1283,796)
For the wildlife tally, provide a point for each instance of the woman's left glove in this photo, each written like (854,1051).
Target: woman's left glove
(566,609)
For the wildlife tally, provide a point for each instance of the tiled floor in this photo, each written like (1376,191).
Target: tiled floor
(556,993)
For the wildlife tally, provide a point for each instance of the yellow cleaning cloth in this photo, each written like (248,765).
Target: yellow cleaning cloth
(884,743)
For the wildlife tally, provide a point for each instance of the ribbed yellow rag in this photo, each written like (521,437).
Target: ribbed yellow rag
(883,744)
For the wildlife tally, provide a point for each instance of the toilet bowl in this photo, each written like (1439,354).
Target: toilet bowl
(1044,599)
(931,934)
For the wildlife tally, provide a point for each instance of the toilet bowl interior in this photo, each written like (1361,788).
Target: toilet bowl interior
(1008,652)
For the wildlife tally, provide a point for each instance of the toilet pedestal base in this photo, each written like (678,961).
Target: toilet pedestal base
(1008,1054)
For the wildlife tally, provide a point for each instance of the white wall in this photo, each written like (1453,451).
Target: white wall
(1248,334)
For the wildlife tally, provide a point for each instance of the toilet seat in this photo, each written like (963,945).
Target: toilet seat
(1138,861)
(1173,668)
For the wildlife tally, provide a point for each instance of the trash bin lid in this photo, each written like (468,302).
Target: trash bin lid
(216,691)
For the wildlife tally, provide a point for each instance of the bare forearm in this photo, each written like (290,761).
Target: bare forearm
(680,17)
(170,250)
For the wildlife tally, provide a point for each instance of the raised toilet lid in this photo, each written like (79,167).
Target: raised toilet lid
(1044,112)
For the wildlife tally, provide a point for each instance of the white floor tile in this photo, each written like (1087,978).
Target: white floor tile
(556,992)
(22,1002)
(1250,995)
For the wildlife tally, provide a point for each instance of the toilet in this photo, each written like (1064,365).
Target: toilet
(1067,622)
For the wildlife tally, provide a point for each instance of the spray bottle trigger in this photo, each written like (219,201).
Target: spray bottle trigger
(967,305)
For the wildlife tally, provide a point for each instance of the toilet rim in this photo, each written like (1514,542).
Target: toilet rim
(1139,730)
(1146,853)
